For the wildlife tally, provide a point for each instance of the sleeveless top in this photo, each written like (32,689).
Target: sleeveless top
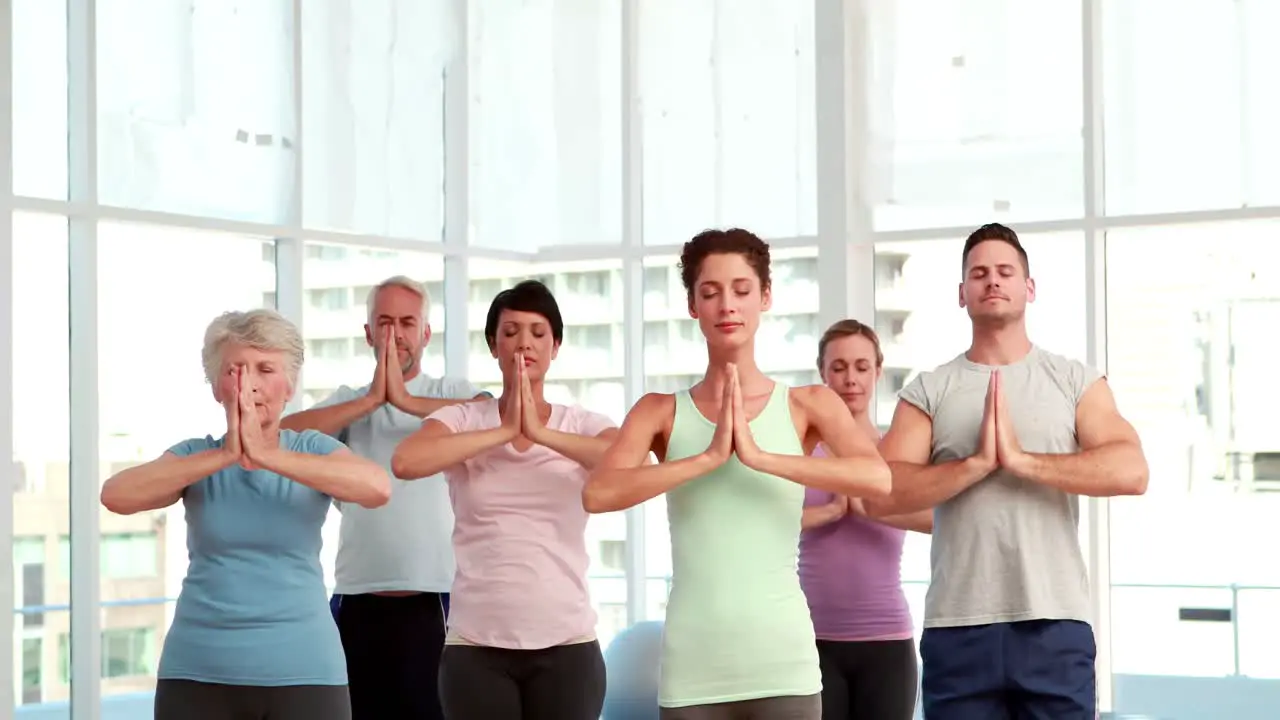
(737,625)
(851,572)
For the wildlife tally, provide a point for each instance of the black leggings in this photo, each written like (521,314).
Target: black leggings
(870,679)
(392,644)
(565,682)
(191,700)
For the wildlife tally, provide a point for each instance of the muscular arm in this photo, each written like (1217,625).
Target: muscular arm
(331,419)
(921,522)
(341,474)
(586,450)
(159,483)
(624,478)
(918,485)
(435,448)
(853,466)
(1110,462)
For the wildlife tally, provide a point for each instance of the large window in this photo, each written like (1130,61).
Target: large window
(1150,77)
(545,118)
(195,107)
(39,98)
(373,85)
(727,102)
(975,112)
(158,289)
(1190,320)
(41,463)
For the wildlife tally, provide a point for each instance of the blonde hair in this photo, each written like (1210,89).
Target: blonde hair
(265,330)
(400,281)
(846,328)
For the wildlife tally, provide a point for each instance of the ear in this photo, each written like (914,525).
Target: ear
(426,333)
(693,313)
(879,373)
(217,393)
(1031,290)
(766,299)
(368,334)
(493,348)
(555,350)
(960,294)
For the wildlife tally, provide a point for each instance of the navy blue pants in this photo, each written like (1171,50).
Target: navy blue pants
(1032,670)
(335,603)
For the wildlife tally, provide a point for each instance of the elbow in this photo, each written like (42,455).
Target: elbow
(379,492)
(1137,483)
(404,468)
(597,499)
(115,501)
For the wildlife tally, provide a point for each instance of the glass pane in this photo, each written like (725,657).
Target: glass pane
(587,371)
(337,281)
(159,282)
(41,461)
(727,103)
(40,98)
(1190,354)
(546,123)
(195,107)
(1157,95)
(979,113)
(373,89)
(921,325)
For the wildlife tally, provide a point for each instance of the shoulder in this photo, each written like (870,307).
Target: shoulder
(1071,375)
(445,387)
(815,398)
(927,389)
(653,409)
(191,446)
(312,442)
(461,417)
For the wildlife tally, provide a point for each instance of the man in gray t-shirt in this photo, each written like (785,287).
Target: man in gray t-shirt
(395,564)
(1001,442)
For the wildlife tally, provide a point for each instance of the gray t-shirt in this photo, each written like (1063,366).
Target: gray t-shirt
(1005,549)
(407,544)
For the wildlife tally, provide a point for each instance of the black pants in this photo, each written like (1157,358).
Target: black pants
(565,682)
(191,700)
(871,680)
(393,647)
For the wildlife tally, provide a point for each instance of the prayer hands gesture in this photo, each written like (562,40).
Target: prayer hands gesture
(388,377)
(998,445)
(733,433)
(521,412)
(245,441)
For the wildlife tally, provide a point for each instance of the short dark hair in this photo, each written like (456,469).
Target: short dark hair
(999,233)
(734,241)
(526,296)
(848,328)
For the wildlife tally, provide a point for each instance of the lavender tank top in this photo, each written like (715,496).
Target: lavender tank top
(851,574)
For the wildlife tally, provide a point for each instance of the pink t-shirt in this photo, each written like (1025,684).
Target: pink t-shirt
(518,536)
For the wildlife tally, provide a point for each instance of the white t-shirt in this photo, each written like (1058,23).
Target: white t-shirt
(405,545)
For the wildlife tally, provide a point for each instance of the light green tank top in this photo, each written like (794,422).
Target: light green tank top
(737,625)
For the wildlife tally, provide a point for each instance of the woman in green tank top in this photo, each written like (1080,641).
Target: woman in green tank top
(734,462)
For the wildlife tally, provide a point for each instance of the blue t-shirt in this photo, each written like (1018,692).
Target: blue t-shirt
(253,608)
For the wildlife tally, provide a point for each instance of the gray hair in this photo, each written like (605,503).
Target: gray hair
(265,330)
(400,281)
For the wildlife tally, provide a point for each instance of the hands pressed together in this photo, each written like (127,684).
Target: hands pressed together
(733,431)
(246,444)
(998,446)
(521,416)
(388,377)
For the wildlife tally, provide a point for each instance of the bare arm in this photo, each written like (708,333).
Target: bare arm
(435,447)
(918,485)
(423,407)
(341,474)
(853,467)
(921,522)
(586,450)
(331,419)
(159,483)
(623,478)
(815,516)
(1110,462)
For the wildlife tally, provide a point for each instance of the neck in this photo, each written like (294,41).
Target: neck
(744,357)
(412,371)
(999,345)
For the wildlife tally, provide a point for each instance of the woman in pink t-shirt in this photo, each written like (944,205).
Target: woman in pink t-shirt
(521,639)
(850,565)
